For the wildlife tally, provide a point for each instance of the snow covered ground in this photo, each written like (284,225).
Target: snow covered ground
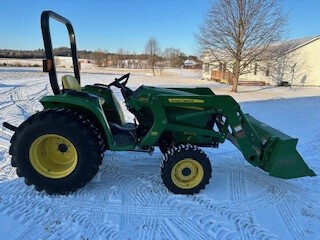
(127,200)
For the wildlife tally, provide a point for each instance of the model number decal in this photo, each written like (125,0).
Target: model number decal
(185,100)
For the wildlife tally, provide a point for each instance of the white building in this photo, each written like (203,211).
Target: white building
(190,64)
(62,61)
(300,65)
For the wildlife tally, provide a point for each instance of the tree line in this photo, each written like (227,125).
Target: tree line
(152,57)
(40,53)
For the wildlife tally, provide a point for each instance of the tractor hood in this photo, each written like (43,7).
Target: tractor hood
(145,91)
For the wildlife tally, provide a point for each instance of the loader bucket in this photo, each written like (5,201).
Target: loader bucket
(279,156)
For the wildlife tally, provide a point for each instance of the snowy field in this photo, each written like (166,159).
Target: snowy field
(127,200)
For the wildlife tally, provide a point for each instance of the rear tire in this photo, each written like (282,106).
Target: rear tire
(185,169)
(57,150)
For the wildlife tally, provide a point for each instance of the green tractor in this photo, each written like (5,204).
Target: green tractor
(61,148)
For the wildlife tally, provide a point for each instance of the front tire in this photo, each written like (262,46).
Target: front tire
(185,169)
(165,142)
(57,150)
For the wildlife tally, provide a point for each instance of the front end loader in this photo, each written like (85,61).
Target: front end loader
(61,148)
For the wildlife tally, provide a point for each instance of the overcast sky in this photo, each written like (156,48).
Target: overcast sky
(128,24)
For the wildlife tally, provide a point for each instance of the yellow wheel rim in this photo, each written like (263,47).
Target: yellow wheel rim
(187,173)
(53,156)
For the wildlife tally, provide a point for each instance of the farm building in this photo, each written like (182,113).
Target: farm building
(298,64)
(62,61)
(190,64)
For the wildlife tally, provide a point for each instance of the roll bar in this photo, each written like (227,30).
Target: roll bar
(48,63)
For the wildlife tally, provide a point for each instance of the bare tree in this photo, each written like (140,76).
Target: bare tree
(152,49)
(121,58)
(175,56)
(161,62)
(100,57)
(241,32)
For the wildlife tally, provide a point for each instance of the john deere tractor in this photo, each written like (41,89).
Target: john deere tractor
(61,148)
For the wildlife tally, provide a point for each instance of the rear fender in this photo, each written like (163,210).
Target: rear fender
(86,103)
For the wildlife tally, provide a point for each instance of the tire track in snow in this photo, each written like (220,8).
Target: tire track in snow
(242,206)
(126,205)
(5,105)
(238,192)
(126,195)
(31,207)
(4,142)
(206,220)
(270,194)
(85,218)
(237,182)
(178,229)
(249,229)
(288,216)
(147,188)
(109,213)
(215,229)
(6,171)
(301,207)
(276,192)
(24,101)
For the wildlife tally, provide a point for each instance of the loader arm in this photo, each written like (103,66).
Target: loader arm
(261,145)
(223,105)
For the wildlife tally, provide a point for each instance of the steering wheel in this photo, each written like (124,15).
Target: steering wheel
(121,83)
